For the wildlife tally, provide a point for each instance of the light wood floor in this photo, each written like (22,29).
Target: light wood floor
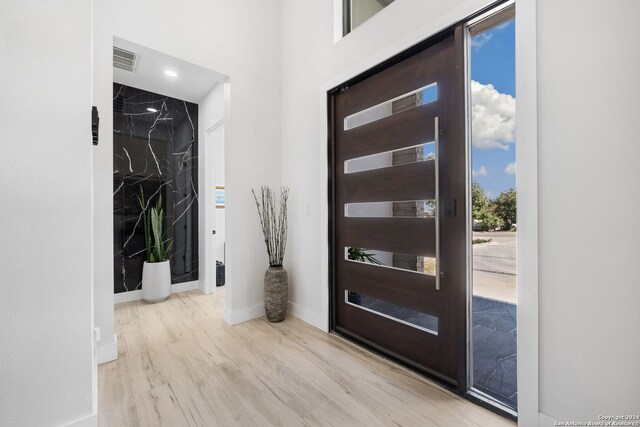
(180,364)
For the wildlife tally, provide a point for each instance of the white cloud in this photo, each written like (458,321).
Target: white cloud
(481,39)
(510,169)
(494,117)
(482,171)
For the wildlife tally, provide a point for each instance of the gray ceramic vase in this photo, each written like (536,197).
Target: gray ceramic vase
(276,293)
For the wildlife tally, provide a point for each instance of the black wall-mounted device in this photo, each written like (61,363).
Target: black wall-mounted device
(449,207)
(95,124)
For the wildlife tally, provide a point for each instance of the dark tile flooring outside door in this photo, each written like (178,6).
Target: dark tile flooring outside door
(494,349)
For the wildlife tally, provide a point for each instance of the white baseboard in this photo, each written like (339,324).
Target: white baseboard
(137,295)
(239,316)
(545,420)
(203,287)
(89,421)
(315,319)
(312,318)
(184,287)
(127,296)
(108,352)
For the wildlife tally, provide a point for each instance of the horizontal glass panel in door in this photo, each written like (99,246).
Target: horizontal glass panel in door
(417,153)
(423,96)
(413,263)
(416,319)
(400,209)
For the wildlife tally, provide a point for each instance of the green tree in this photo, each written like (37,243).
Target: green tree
(489,221)
(483,209)
(505,207)
(479,200)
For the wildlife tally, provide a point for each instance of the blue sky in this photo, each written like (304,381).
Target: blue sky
(493,153)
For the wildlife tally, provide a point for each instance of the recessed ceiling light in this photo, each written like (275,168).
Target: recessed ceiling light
(152,110)
(170,73)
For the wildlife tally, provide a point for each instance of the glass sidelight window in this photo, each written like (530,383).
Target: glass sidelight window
(493,194)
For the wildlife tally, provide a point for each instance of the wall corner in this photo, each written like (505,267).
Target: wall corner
(107,352)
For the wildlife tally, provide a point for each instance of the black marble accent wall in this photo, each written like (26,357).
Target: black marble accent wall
(157,150)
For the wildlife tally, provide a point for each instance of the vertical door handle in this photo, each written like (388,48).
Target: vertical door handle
(436,133)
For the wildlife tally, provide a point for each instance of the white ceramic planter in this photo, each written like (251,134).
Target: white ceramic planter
(156,281)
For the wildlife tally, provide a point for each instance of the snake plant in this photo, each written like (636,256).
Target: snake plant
(157,247)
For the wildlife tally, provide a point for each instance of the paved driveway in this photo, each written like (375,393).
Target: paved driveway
(494,266)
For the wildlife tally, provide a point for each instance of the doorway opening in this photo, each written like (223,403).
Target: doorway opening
(399,242)
(216,242)
(168,150)
(493,323)
(423,212)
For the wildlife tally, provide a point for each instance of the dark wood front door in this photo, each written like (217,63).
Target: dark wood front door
(399,194)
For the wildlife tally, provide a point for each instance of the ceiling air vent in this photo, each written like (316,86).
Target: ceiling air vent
(124,59)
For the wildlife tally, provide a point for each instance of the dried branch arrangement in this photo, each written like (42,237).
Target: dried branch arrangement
(274,224)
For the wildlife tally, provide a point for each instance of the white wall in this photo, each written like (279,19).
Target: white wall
(240,40)
(103,205)
(47,374)
(589,204)
(527,192)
